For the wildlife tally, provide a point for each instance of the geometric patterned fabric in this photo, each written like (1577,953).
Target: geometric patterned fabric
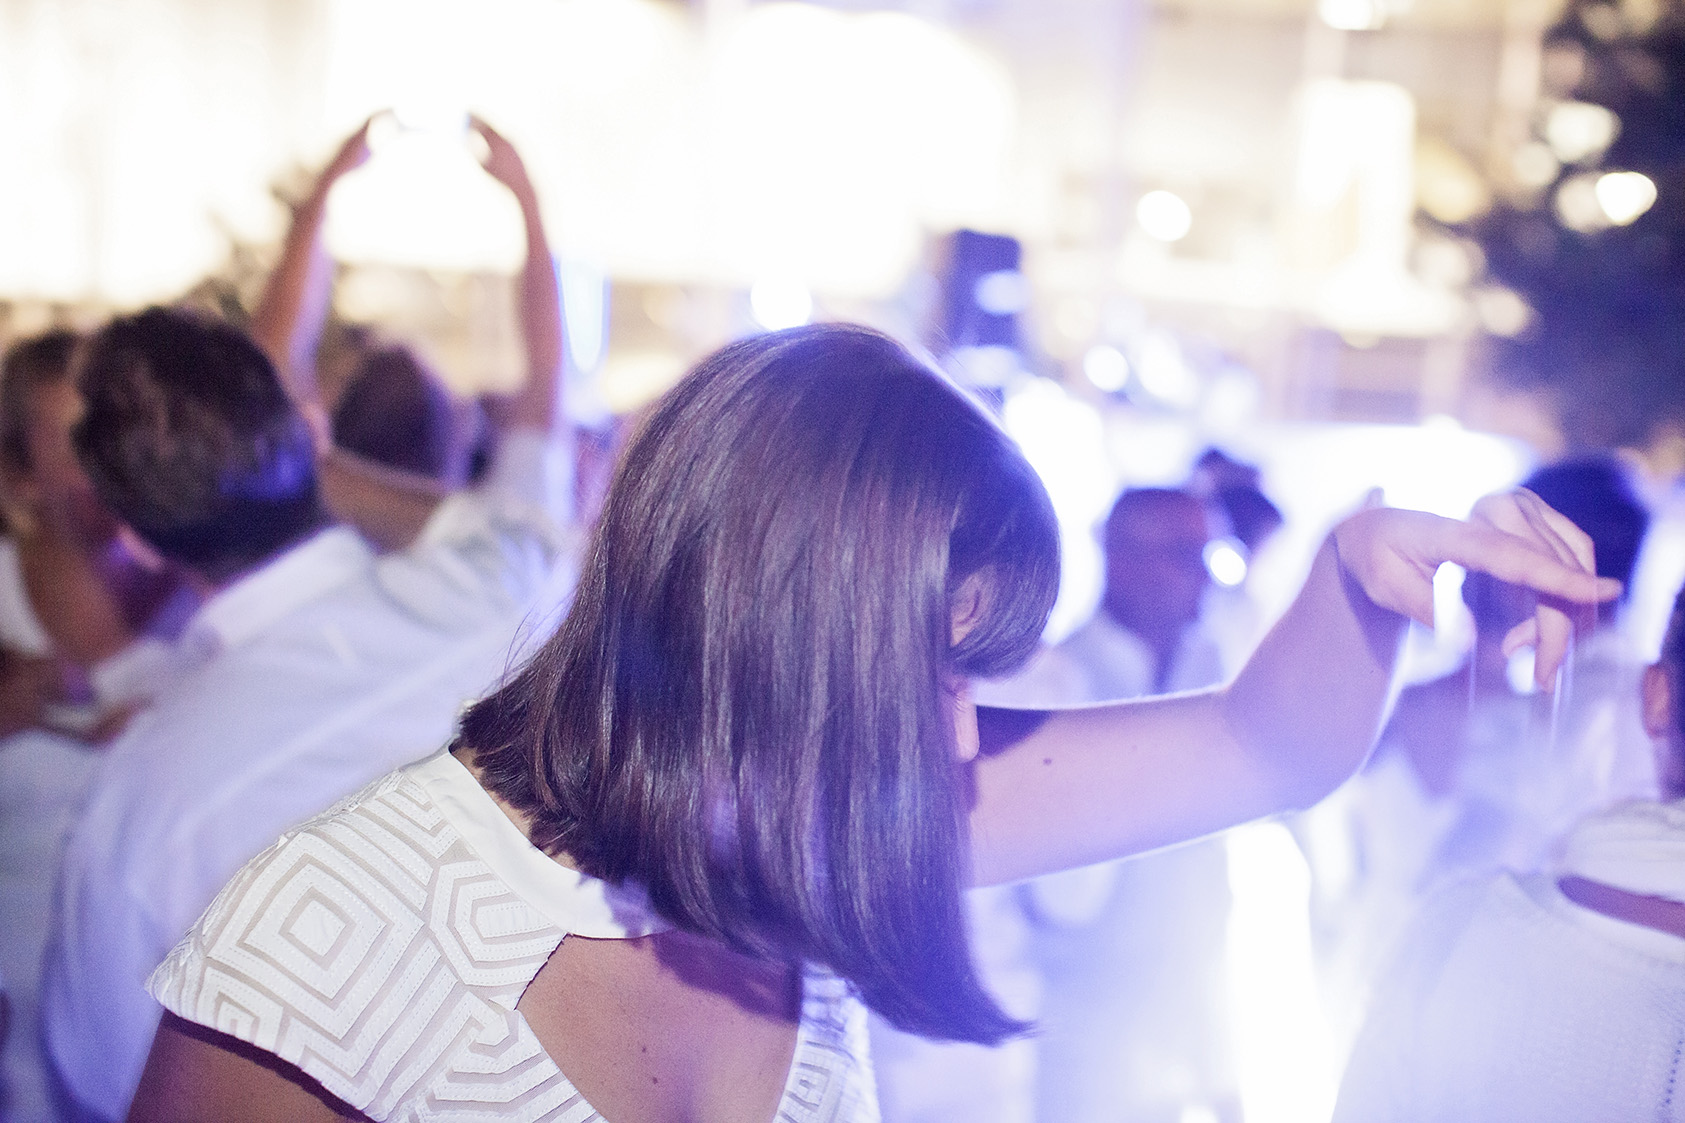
(382,947)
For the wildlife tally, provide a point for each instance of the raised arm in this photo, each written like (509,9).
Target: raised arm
(537,405)
(291,312)
(1078,786)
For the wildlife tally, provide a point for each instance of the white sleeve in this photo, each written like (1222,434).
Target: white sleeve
(534,467)
(480,557)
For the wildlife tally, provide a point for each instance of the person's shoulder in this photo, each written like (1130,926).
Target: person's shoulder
(340,947)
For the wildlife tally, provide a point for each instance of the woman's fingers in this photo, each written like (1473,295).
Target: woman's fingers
(1515,538)
(1558,613)
(1524,560)
(1578,540)
(1524,634)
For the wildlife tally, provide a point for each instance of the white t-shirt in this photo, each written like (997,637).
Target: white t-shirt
(1508,1001)
(306,680)
(384,947)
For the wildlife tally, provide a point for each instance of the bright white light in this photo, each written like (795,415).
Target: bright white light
(778,304)
(584,312)
(441,116)
(1501,311)
(1004,292)
(1578,130)
(1164,216)
(992,366)
(1106,368)
(794,141)
(1225,563)
(1352,15)
(1164,373)
(1357,146)
(629,381)
(424,201)
(831,141)
(1231,401)
(1624,196)
(1578,207)
(1063,438)
(1535,165)
(1283,1047)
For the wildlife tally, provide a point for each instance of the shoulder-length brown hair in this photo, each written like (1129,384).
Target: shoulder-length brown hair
(745,708)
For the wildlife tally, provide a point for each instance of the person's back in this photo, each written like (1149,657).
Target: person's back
(314,668)
(1553,995)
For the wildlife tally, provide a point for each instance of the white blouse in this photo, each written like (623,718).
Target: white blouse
(382,947)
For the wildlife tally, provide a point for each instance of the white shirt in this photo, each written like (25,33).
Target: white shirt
(44,777)
(306,680)
(383,949)
(1510,1002)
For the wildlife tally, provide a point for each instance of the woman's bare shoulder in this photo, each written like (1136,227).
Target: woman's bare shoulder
(197,1075)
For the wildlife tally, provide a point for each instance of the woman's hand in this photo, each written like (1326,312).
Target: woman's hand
(1514,536)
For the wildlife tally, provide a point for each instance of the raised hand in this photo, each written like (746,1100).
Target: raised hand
(352,154)
(502,162)
(1514,536)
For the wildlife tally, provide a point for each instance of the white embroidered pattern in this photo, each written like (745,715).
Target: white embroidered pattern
(376,952)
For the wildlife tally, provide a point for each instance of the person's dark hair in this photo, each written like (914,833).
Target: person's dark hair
(395,412)
(1140,502)
(1596,494)
(745,709)
(189,437)
(1251,515)
(29,365)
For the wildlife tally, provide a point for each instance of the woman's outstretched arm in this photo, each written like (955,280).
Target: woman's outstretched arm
(1078,786)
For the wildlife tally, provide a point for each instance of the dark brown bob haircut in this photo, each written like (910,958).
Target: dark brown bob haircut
(745,709)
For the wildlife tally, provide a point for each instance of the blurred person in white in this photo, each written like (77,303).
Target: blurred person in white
(1476,771)
(1552,995)
(313,666)
(84,630)
(395,420)
(1131,953)
(1233,489)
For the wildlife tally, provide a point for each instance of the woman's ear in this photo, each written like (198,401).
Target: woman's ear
(1656,701)
(967,611)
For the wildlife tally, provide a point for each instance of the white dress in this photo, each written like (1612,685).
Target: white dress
(382,949)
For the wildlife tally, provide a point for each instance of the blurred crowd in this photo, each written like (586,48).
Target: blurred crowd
(236,586)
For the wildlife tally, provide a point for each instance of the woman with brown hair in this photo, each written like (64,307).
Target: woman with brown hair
(746,778)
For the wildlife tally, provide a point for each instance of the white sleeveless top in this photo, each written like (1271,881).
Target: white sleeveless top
(382,947)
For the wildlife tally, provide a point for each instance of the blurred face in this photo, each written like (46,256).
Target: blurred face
(1155,565)
(56,487)
(1659,699)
